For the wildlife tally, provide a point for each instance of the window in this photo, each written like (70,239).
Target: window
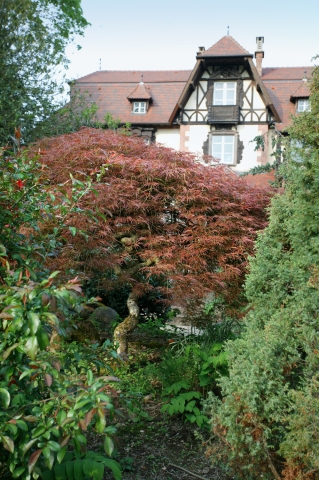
(223,148)
(224,93)
(303,105)
(139,107)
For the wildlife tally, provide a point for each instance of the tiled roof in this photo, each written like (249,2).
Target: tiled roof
(127,76)
(261,179)
(286,73)
(225,47)
(281,84)
(111,90)
(112,98)
(302,91)
(141,92)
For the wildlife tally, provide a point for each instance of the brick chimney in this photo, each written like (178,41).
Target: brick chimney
(259,54)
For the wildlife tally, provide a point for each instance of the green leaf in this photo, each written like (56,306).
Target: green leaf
(43,339)
(9,350)
(90,377)
(98,471)
(100,424)
(5,397)
(25,373)
(48,475)
(31,347)
(46,452)
(73,231)
(54,274)
(54,446)
(69,468)
(61,454)
(18,472)
(33,460)
(8,443)
(60,471)
(34,322)
(115,467)
(78,470)
(81,403)
(38,431)
(28,445)
(108,446)
(22,425)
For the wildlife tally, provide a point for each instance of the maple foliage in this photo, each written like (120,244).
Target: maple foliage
(161,214)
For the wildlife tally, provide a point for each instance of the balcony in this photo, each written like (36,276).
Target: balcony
(223,114)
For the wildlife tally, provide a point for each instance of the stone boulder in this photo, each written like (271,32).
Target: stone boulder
(84,330)
(103,319)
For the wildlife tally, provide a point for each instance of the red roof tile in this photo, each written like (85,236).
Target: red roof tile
(286,73)
(225,47)
(141,92)
(281,84)
(127,76)
(303,91)
(261,179)
(112,98)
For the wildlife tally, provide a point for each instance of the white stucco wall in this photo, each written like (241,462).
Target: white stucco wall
(249,160)
(168,137)
(197,136)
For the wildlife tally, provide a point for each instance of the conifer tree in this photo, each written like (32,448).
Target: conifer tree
(268,420)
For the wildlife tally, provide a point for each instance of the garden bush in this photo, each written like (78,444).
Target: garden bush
(43,410)
(267,422)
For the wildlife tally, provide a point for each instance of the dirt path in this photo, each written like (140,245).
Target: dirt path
(153,450)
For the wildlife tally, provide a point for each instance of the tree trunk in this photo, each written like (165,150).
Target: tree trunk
(127,326)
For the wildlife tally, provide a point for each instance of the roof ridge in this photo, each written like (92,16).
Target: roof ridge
(136,71)
(221,47)
(232,38)
(300,66)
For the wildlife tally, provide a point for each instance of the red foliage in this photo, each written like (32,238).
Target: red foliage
(165,214)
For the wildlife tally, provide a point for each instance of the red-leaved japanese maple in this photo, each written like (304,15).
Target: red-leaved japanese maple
(165,215)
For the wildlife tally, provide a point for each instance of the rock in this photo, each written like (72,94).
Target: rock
(85,331)
(85,312)
(103,319)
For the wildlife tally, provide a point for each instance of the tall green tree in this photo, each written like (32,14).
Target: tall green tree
(268,420)
(33,38)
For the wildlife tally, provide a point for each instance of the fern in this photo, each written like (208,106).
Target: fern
(92,465)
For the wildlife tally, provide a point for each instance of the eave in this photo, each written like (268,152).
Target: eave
(262,89)
(189,88)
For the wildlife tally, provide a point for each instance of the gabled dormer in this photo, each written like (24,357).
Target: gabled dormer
(301,96)
(140,98)
(225,88)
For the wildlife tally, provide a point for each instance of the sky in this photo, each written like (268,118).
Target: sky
(166,34)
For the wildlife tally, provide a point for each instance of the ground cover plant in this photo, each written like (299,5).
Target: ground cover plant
(166,224)
(267,422)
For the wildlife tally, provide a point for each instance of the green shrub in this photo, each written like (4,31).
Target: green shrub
(43,409)
(267,421)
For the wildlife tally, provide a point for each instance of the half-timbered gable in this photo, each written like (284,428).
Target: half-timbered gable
(214,110)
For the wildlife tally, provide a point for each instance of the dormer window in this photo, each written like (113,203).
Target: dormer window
(140,107)
(303,105)
(140,98)
(224,93)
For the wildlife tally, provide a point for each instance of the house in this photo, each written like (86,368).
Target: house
(214,110)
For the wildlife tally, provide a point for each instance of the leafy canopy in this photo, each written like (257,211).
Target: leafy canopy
(161,215)
(33,38)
